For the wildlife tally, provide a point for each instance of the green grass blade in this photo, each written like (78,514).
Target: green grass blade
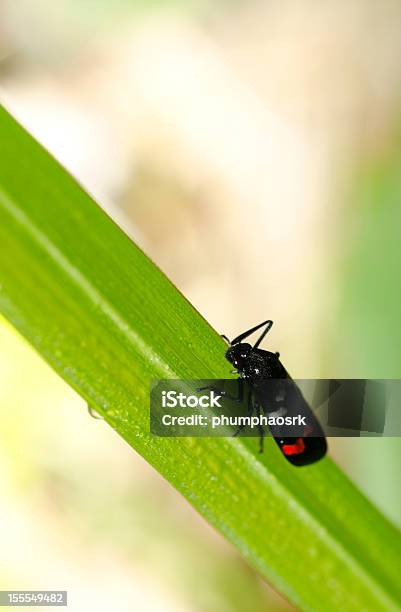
(108,321)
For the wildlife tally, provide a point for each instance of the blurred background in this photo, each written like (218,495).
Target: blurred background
(253,150)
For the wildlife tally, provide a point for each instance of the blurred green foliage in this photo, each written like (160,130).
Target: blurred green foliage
(370,313)
(368,326)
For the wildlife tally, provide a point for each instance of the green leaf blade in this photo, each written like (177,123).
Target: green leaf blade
(108,321)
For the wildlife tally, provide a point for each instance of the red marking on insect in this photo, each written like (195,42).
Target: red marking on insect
(294,449)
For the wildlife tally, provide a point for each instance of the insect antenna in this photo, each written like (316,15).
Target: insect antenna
(244,335)
(268,327)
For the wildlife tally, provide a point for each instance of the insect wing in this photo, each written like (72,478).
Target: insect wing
(302,451)
(307,443)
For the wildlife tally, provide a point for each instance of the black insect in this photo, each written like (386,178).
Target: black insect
(279,397)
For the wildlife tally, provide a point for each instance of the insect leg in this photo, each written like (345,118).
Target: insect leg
(260,428)
(249,413)
(239,398)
